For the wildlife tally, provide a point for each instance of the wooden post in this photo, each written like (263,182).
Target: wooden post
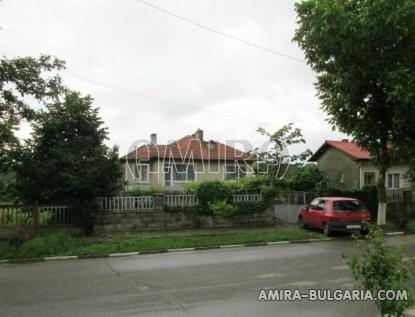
(36,218)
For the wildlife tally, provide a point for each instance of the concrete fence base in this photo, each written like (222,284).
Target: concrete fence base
(287,213)
(161,220)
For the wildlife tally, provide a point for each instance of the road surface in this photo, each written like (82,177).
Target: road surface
(222,282)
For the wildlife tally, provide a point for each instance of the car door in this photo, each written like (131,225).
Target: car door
(320,213)
(310,215)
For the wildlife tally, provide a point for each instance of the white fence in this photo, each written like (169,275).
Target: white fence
(147,202)
(397,195)
(181,200)
(295,198)
(394,195)
(246,197)
(127,203)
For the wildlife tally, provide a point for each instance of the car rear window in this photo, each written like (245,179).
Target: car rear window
(348,205)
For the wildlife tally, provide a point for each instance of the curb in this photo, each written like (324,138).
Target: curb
(126,254)
(227,246)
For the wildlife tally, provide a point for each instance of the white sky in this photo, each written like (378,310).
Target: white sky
(224,87)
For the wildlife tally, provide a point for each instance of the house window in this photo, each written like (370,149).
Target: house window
(183,172)
(394,180)
(234,171)
(340,178)
(140,172)
(369,179)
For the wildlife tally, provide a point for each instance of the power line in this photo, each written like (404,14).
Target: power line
(133,92)
(165,101)
(207,28)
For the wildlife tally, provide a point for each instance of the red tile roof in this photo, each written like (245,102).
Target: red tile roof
(349,148)
(187,148)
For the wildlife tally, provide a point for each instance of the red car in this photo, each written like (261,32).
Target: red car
(334,214)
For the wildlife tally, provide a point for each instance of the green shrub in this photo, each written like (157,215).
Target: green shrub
(137,191)
(307,178)
(398,215)
(252,184)
(177,209)
(223,208)
(191,187)
(377,266)
(83,214)
(213,191)
(250,207)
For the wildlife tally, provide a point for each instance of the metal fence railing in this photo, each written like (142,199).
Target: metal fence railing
(246,197)
(12,216)
(126,203)
(295,198)
(181,200)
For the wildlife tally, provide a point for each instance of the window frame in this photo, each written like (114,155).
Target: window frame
(367,174)
(140,179)
(240,170)
(391,176)
(172,168)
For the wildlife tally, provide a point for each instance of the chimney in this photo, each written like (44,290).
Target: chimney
(345,140)
(153,139)
(199,135)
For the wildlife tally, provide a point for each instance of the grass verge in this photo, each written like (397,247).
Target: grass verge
(63,244)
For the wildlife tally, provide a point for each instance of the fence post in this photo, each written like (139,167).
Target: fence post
(36,218)
(159,201)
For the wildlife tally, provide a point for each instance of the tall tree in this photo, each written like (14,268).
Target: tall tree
(22,79)
(67,162)
(276,159)
(362,53)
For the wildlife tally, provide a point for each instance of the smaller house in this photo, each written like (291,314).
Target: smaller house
(191,158)
(347,164)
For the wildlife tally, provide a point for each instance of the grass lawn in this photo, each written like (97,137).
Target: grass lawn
(64,244)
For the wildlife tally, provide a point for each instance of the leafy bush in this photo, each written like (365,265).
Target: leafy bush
(83,214)
(398,215)
(307,178)
(137,191)
(177,209)
(250,207)
(191,187)
(213,191)
(377,266)
(223,208)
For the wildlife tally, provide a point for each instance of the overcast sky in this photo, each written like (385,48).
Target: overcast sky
(118,51)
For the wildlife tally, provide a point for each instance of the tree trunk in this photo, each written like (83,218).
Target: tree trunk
(381,196)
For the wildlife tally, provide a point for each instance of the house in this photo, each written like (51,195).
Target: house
(348,165)
(191,158)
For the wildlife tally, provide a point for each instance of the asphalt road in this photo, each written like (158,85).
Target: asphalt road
(223,282)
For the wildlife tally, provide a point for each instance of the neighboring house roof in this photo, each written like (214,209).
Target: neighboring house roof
(345,146)
(188,147)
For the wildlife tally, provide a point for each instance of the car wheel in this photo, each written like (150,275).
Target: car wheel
(301,223)
(326,229)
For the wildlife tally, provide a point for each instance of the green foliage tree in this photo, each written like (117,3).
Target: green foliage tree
(366,76)
(67,161)
(378,266)
(307,178)
(276,159)
(20,79)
